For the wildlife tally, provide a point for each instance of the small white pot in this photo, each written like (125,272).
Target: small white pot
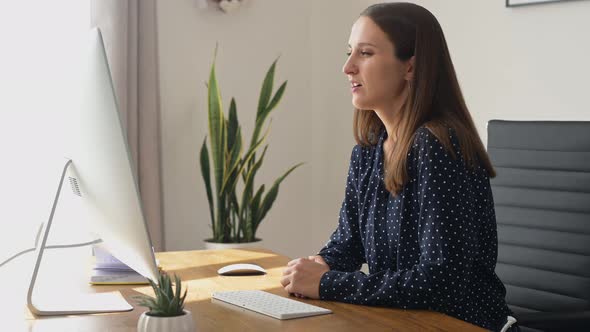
(216,245)
(182,323)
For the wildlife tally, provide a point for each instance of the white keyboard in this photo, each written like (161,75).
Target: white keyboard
(270,304)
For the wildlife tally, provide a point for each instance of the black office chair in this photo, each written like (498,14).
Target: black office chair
(542,200)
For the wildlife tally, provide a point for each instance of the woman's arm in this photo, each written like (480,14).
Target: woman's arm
(446,235)
(344,251)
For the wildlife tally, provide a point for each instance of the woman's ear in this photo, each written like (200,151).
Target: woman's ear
(410,66)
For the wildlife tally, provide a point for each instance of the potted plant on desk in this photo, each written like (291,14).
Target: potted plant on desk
(167,311)
(235,219)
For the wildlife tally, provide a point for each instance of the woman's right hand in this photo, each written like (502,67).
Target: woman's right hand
(319,259)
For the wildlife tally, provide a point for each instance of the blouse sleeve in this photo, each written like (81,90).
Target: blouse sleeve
(445,235)
(344,251)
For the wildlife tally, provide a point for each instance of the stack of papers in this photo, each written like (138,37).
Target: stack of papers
(108,270)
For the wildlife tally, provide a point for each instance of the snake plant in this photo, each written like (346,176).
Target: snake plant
(235,219)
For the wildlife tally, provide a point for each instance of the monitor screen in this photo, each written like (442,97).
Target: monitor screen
(102,168)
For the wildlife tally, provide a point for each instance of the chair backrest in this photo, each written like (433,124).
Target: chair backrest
(542,201)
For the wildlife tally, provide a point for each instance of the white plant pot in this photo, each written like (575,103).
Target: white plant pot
(216,245)
(182,323)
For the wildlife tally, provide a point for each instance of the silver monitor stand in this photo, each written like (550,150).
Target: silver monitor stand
(77,303)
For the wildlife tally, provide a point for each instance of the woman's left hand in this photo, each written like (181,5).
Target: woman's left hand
(302,277)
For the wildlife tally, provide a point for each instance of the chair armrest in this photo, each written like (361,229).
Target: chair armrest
(557,321)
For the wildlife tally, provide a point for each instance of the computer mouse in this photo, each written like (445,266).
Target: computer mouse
(241,270)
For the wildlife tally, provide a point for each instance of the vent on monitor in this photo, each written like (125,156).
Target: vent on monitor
(75,186)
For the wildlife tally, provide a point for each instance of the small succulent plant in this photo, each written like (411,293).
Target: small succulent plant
(168,302)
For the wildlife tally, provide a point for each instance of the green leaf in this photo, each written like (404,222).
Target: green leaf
(234,162)
(255,202)
(218,140)
(232,125)
(255,211)
(182,299)
(266,89)
(261,118)
(270,197)
(265,93)
(167,289)
(223,226)
(277,97)
(149,303)
(173,306)
(205,172)
(249,179)
(216,128)
(237,218)
(178,286)
(217,135)
(251,151)
(258,127)
(234,200)
(153,284)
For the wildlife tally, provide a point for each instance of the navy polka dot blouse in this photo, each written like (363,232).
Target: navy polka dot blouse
(434,246)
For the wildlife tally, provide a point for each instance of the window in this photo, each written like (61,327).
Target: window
(40,40)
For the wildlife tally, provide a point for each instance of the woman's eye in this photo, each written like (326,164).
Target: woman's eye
(362,53)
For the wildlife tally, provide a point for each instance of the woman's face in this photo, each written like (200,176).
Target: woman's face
(372,64)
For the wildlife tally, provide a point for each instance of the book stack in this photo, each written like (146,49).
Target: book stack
(108,270)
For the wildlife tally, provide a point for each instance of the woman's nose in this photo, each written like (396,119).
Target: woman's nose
(349,67)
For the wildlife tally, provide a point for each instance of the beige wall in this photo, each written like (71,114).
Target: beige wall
(527,63)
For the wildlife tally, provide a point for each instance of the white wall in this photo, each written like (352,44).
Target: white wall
(526,63)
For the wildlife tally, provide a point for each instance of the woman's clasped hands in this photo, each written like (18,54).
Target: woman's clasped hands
(302,276)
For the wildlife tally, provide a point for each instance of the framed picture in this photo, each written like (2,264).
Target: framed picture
(518,3)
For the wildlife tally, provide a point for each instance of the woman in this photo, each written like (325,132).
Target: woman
(418,207)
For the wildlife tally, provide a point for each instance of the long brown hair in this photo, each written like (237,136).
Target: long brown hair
(434,100)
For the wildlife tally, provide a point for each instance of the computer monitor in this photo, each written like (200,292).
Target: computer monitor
(99,177)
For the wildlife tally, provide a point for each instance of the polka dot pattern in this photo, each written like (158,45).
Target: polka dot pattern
(434,246)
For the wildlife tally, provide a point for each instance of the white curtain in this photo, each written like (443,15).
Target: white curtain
(129,29)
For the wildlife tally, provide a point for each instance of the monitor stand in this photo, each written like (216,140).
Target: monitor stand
(68,305)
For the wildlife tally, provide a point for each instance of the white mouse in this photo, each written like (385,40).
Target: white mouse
(241,269)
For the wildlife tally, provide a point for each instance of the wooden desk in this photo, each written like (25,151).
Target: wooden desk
(198,270)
